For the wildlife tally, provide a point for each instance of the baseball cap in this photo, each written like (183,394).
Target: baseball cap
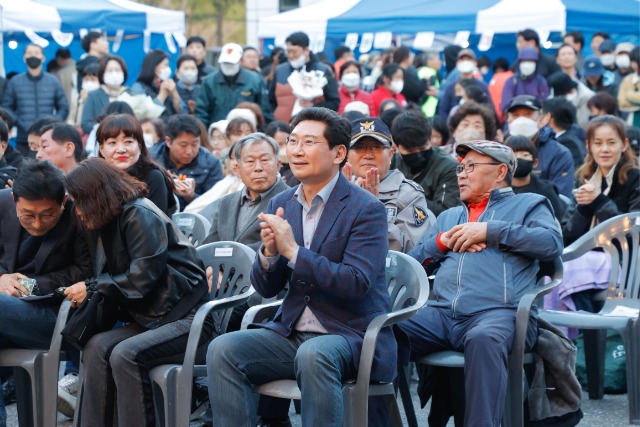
(499,152)
(607,45)
(231,53)
(467,52)
(531,102)
(624,47)
(592,67)
(370,127)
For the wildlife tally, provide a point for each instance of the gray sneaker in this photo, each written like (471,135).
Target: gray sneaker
(67,391)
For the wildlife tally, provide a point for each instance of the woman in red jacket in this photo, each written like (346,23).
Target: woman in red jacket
(389,85)
(351,75)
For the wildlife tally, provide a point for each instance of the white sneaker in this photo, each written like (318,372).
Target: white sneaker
(67,391)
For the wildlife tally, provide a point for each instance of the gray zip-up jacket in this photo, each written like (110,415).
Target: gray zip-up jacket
(521,230)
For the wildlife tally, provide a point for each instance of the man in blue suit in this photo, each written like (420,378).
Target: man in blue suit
(328,240)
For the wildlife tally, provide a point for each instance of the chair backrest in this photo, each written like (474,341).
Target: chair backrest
(231,263)
(619,237)
(194,226)
(406,280)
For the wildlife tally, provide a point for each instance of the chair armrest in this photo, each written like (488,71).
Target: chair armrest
(259,313)
(198,322)
(522,318)
(61,321)
(376,325)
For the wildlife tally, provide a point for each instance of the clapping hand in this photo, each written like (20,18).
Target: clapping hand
(277,235)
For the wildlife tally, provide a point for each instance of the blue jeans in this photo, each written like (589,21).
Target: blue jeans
(25,325)
(238,360)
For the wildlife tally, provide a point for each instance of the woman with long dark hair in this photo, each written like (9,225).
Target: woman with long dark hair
(609,185)
(155,81)
(151,274)
(121,143)
(609,179)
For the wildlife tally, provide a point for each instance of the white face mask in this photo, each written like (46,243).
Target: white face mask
(468,134)
(189,77)
(571,97)
(527,68)
(607,59)
(299,62)
(165,73)
(228,69)
(90,85)
(523,126)
(465,67)
(397,86)
(113,78)
(623,61)
(148,139)
(351,81)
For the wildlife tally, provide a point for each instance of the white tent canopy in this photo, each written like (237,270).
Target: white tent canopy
(511,16)
(311,19)
(71,16)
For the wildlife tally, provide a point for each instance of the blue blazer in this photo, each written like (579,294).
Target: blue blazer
(341,277)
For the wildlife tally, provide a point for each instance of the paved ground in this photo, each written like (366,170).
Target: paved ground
(612,411)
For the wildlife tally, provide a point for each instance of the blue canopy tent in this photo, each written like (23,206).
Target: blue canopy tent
(132,29)
(496,20)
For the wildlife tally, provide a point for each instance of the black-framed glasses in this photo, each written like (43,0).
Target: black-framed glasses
(468,168)
(307,143)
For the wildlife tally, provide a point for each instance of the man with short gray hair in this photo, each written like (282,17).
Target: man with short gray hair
(487,254)
(235,216)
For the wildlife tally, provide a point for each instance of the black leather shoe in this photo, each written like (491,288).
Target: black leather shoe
(273,422)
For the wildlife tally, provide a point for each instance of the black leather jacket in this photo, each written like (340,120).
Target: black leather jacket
(151,270)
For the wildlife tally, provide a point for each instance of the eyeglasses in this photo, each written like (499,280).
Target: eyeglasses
(364,147)
(468,168)
(307,143)
(45,219)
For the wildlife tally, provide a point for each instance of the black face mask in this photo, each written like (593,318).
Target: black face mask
(523,169)
(417,161)
(33,62)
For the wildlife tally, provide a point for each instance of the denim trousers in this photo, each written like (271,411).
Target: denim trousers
(238,360)
(24,324)
(486,339)
(117,388)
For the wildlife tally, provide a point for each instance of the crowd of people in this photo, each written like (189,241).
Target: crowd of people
(303,160)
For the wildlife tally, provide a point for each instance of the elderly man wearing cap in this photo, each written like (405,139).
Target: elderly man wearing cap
(223,90)
(526,80)
(466,67)
(369,164)
(554,160)
(486,252)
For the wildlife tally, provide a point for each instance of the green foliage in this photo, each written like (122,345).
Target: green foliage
(203,15)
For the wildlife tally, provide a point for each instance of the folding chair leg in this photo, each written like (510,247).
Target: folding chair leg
(632,348)
(24,389)
(594,348)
